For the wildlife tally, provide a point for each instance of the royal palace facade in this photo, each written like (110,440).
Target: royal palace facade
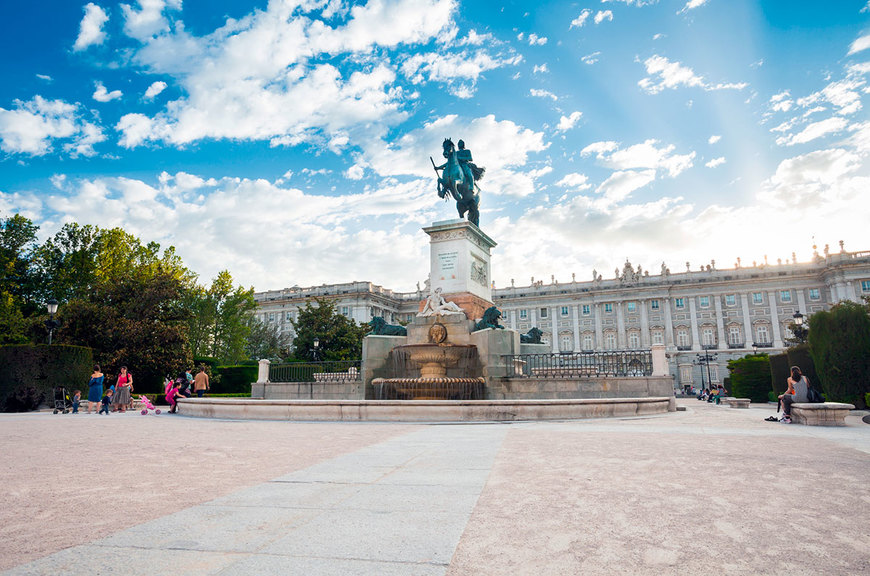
(704,317)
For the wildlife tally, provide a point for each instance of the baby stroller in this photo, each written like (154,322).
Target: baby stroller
(147,405)
(62,403)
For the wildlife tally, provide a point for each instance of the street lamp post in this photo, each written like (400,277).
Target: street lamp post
(51,323)
(704,360)
(798,328)
(315,349)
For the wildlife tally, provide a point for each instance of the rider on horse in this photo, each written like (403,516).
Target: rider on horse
(459,179)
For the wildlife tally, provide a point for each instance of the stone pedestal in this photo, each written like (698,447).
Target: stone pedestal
(459,264)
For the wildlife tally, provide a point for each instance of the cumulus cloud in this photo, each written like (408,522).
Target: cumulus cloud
(580,20)
(664,74)
(622,183)
(713,139)
(543,94)
(290,78)
(568,122)
(103,95)
(32,127)
(644,155)
(154,89)
(715,162)
(814,131)
(574,181)
(535,40)
(91,28)
(603,15)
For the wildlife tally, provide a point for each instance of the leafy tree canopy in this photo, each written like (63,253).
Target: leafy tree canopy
(340,338)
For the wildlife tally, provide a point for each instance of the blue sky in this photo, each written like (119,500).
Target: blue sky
(288,141)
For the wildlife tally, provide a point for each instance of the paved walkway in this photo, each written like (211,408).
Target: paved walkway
(711,489)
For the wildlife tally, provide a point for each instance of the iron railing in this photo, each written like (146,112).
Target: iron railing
(340,371)
(580,365)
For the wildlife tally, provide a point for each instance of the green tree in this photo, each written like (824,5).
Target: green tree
(750,377)
(839,341)
(339,337)
(219,325)
(266,340)
(17,243)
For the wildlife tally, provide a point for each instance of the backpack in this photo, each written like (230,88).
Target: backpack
(813,395)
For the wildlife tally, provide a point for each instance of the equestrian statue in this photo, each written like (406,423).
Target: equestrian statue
(459,178)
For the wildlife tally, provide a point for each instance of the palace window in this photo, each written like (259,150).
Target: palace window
(587,342)
(654,304)
(610,341)
(289,316)
(564,310)
(734,335)
(815,294)
(271,316)
(714,372)
(704,301)
(658,337)
(634,340)
(865,285)
(345,311)
(608,307)
(730,300)
(586,309)
(565,343)
(757,298)
(762,336)
(524,314)
(682,337)
(543,312)
(708,336)
(679,303)
(631,306)
(685,374)
(785,295)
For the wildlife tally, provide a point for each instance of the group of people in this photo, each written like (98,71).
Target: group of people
(118,396)
(714,395)
(184,386)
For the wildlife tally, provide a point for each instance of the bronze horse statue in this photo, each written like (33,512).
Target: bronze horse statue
(459,182)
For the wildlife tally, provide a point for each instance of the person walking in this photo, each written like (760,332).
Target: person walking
(200,382)
(95,389)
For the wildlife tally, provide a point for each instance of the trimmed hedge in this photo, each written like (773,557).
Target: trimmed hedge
(234,379)
(44,367)
(750,377)
(800,356)
(779,373)
(839,341)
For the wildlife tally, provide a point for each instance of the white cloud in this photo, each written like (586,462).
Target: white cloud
(154,89)
(866,8)
(860,44)
(91,28)
(543,68)
(691,5)
(638,3)
(580,20)
(45,77)
(816,178)
(453,68)
(715,162)
(568,122)
(713,139)
(574,181)
(781,102)
(843,94)
(103,95)
(591,58)
(644,155)
(603,15)
(32,126)
(268,68)
(814,131)
(622,183)
(543,94)
(535,40)
(672,75)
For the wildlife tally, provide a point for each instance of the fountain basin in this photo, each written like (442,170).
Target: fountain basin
(427,388)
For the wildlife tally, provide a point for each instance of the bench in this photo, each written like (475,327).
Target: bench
(737,402)
(821,414)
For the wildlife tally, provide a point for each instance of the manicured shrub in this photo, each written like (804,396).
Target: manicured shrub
(23,399)
(43,368)
(750,377)
(779,373)
(235,379)
(839,341)
(800,356)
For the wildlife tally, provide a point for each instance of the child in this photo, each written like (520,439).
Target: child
(107,399)
(77,398)
(172,394)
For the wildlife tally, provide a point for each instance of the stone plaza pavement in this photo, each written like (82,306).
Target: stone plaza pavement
(702,491)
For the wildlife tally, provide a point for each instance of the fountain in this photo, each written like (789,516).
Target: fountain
(432,361)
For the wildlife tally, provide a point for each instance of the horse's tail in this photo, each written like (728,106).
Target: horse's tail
(477,171)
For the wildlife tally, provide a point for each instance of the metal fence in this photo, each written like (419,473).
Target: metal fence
(341,371)
(580,364)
